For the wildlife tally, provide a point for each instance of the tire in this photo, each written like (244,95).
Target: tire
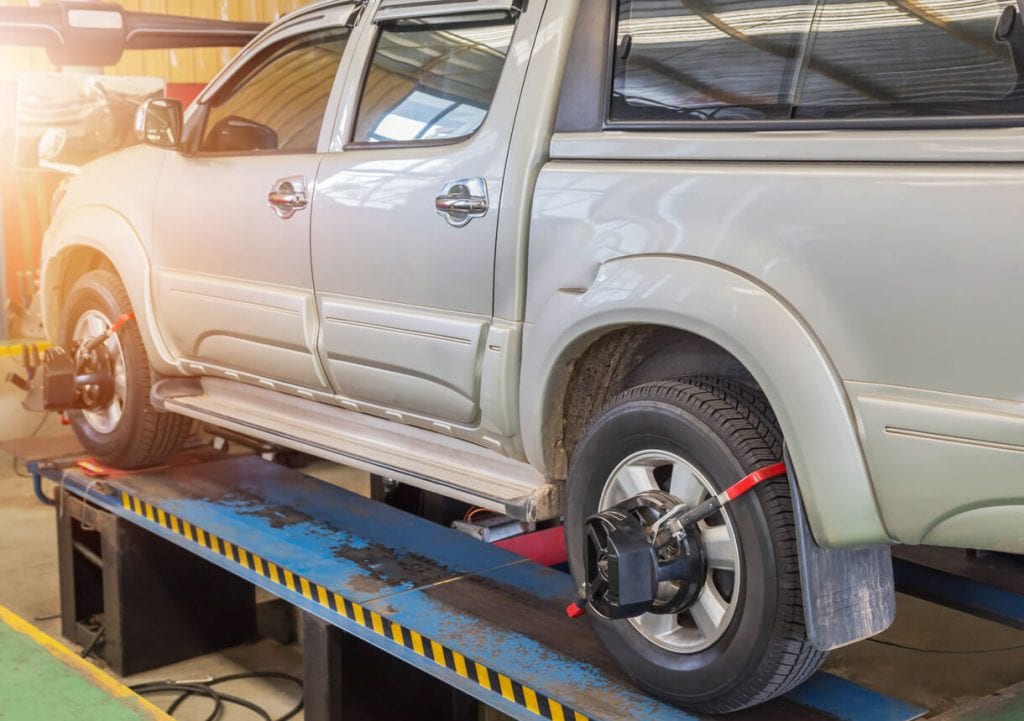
(723,431)
(139,436)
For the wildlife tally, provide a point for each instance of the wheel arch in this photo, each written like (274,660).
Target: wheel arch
(91,237)
(720,318)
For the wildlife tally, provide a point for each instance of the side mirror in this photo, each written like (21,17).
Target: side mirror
(159,121)
(234,134)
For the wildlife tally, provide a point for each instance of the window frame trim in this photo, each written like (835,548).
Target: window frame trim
(378,29)
(924,122)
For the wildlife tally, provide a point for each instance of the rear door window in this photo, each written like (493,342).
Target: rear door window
(432,80)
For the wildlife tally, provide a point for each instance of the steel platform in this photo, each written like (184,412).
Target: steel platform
(483,620)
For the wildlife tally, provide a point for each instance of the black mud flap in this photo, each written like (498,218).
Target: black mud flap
(849,594)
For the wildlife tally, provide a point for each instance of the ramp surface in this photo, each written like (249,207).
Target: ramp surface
(479,617)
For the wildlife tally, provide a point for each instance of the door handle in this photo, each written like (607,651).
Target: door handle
(463,200)
(288,196)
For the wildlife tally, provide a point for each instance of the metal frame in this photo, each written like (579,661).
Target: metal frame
(984,584)
(476,617)
(114,570)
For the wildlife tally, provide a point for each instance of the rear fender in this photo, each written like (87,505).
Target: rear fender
(749,321)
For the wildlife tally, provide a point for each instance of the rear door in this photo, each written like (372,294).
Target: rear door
(403,237)
(231,271)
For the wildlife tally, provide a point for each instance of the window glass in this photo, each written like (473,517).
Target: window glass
(707,59)
(907,58)
(429,81)
(278,101)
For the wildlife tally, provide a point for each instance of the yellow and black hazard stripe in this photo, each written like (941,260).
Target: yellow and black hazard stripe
(510,689)
(8,350)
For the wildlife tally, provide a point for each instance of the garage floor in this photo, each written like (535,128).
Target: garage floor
(28,586)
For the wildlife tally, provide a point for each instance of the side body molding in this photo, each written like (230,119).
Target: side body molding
(105,231)
(755,326)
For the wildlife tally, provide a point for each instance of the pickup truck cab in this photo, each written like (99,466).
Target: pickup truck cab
(593,259)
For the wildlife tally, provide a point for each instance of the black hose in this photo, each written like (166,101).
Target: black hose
(205,689)
(155,687)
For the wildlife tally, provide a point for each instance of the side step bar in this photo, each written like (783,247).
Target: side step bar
(431,461)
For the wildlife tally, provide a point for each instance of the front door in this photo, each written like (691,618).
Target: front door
(403,238)
(231,276)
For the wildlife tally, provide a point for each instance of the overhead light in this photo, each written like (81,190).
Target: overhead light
(95,19)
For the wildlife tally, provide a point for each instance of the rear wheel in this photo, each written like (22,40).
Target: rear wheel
(125,431)
(742,641)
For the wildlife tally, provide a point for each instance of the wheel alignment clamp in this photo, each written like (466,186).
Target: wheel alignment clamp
(511,690)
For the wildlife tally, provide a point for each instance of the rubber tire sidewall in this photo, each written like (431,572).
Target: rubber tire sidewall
(657,425)
(99,290)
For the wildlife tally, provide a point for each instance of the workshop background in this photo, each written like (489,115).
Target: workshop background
(893,665)
(26,193)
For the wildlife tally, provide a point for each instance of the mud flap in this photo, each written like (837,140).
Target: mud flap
(848,594)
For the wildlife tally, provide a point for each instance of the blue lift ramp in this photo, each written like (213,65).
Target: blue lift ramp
(478,617)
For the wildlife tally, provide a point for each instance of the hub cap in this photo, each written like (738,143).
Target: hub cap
(92,324)
(705,621)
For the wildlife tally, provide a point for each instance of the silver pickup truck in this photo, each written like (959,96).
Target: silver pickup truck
(595,260)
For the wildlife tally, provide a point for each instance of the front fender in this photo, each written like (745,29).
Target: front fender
(104,231)
(753,324)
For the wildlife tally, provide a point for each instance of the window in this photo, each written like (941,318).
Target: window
(431,81)
(903,59)
(830,59)
(707,59)
(278,101)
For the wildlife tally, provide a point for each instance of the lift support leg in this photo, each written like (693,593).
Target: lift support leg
(155,602)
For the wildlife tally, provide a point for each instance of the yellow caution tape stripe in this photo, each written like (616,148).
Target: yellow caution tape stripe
(510,689)
(7,351)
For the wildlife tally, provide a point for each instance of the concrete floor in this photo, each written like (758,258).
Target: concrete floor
(939,681)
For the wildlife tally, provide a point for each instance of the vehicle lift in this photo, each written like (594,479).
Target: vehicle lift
(169,558)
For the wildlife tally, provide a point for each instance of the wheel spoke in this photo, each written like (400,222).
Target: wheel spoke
(719,547)
(686,486)
(709,610)
(95,326)
(659,625)
(632,480)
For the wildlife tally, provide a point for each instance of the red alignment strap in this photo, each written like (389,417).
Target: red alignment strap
(119,323)
(761,474)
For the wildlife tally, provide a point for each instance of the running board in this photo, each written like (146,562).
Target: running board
(434,462)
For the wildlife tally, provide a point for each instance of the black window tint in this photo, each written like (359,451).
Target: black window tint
(907,58)
(431,81)
(277,103)
(707,59)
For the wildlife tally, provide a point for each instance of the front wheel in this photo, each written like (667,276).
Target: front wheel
(125,431)
(741,641)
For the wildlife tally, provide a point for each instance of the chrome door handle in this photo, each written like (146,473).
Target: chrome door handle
(463,200)
(288,196)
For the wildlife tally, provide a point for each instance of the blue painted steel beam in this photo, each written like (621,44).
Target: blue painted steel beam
(400,583)
(964,594)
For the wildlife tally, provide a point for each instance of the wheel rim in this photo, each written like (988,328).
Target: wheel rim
(92,324)
(700,626)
